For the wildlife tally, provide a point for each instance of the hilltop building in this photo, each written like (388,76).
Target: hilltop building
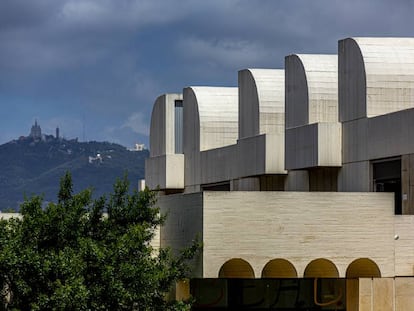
(36,131)
(36,134)
(299,182)
(138,147)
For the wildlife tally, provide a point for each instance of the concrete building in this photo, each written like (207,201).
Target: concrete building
(299,182)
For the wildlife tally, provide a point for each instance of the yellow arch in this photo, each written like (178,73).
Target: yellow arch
(236,268)
(363,268)
(321,268)
(279,268)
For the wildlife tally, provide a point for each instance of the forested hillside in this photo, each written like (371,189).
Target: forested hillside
(34,167)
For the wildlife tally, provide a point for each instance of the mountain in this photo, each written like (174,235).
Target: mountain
(34,167)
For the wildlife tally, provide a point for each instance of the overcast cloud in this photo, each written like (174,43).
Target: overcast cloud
(95,67)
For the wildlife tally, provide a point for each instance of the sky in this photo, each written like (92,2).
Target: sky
(94,68)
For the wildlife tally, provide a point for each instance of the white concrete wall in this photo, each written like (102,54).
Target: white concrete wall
(165,172)
(211,115)
(313,145)
(301,147)
(311,89)
(378,137)
(162,140)
(313,135)
(210,122)
(260,155)
(261,102)
(297,180)
(355,176)
(376,96)
(218,165)
(296,93)
(164,168)
(376,76)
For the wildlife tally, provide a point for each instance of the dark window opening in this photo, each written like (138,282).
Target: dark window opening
(269,294)
(225,186)
(323,179)
(178,126)
(387,178)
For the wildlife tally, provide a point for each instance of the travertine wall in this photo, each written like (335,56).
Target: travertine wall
(184,224)
(404,250)
(297,226)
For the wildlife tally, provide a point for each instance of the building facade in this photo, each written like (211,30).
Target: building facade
(36,131)
(299,182)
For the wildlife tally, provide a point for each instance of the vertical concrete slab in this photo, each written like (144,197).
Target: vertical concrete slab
(351,81)
(261,102)
(296,93)
(404,294)
(352,295)
(365,295)
(410,205)
(210,121)
(404,245)
(405,183)
(383,294)
(297,181)
(355,177)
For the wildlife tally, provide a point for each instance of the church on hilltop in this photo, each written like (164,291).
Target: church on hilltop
(36,132)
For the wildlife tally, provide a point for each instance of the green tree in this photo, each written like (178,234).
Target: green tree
(70,255)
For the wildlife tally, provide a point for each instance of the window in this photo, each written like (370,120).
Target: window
(387,178)
(178,126)
(223,186)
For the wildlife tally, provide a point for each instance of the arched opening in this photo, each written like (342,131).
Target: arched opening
(279,268)
(363,268)
(321,268)
(236,268)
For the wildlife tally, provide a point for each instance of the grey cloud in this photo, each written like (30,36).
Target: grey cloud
(22,14)
(109,59)
(138,123)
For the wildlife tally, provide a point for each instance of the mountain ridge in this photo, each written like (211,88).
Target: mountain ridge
(34,167)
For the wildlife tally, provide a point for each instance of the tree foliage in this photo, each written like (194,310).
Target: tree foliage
(73,256)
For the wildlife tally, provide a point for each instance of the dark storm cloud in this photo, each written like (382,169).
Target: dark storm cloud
(103,62)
